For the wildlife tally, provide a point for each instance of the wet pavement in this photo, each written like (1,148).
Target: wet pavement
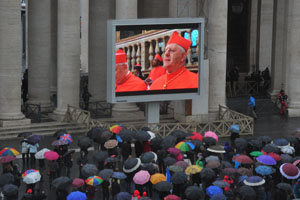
(269,123)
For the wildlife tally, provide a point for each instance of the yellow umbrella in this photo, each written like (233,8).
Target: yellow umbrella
(158,177)
(193,169)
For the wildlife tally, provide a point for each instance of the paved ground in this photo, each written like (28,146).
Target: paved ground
(269,123)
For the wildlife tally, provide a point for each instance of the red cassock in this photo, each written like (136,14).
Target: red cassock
(156,72)
(180,79)
(131,83)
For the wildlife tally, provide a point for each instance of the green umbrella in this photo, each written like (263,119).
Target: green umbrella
(256,153)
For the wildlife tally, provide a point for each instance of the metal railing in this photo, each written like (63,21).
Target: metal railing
(227,118)
(33,112)
(242,88)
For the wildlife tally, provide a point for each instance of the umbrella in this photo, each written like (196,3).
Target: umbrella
(293,140)
(105,174)
(229,171)
(213,164)
(163,186)
(148,157)
(152,135)
(168,142)
(286,187)
(247,192)
(197,143)
(296,162)
(173,150)
(255,143)
(92,133)
(7,178)
(40,154)
(126,135)
(234,128)
(172,197)
(180,134)
(264,170)
(169,161)
(77,182)
(244,171)
(115,129)
(67,137)
(77,195)
(240,143)
(183,146)
(221,184)
(94,180)
(196,136)
(218,197)
(244,159)
(69,153)
(193,169)
(111,159)
(150,168)
(193,193)
(226,164)
(141,177)
(271,148)
(32,177)
(102,137)
(285,158)
(280,142)
(266,160)
(123,196)
(7,159)
(265,139)
(182,164)
(62,182)
(209,141)
(216,149)
(89,170)
(212,135)
(51,155)
(275,156)
(10,190)
(175,168)
(256,153)
(7,151)
(142,135)
(207,174)
(119,175)
(59,142)
(289,171)
(34,139)
(24,134)
(156,142)
(213,190)
(254,181)
(131,165)
(100,155)
(211,158)
(59,133)
(157,177)
(287,149)
(84,142)
(110,144)
(28,172)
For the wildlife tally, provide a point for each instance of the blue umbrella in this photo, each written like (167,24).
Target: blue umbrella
(191,145)
(119,139)
(213,190)
(264,170)
(119,175)
(234,128)
(281,142)
(242,178)
(218,197)
(123,196)
(76,196)
(254,181)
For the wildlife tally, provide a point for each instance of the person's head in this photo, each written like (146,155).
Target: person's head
(157,61)
(176,52)
(137,69)
(121,66)
(282,91)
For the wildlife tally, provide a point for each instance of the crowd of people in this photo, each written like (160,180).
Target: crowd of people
(126,165)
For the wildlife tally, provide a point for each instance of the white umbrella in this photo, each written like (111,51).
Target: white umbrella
(152,135)
(288,149)
(32,178)
(40,154)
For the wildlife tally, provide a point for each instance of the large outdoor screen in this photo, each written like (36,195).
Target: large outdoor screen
(154,59)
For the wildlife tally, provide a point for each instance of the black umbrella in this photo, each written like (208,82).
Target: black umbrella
(169,161)
(168,142)
(104,136)
(284,186)
(94,132)
(207,174)
(271,148)
(193,193)
(285,158)
(106,173)
(265,139)
(141,135)
(10,190)
(180,134)
(100,155)
(148,157)
(59,133)
(197,143)
(84,142)
(126,135)
(89,170)
(247,192)
(226,164)
(111,159)
(62,182)
(155,142)
(6,178)
(179,178)
(163,186)
(241,143)
(209,141)
(69,153)
(24,134)
(123,196)
(131,164)
(59,142)
(150,168)
(292,140)
(296,158)
(34,139)
(255,143)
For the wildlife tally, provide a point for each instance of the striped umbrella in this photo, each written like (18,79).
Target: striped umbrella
(8,151)
(183,146)
(28,172)
(67,137)
(115,129)
(94,180)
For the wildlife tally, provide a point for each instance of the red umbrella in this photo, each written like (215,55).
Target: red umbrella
(275,156)
(7,159)
(243,159)
(78,182)
(172,197)
(196,136)
(51,155)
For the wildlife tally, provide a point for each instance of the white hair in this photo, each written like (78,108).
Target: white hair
(180,47)
(121,64)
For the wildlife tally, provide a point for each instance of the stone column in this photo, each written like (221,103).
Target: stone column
(279,37)
(253,36)
(11,64)
(265,34)
(53,68)
(84,39)
(39,52)
(187,8)
(68,55)
(293,57)
(217,50)
(126,9)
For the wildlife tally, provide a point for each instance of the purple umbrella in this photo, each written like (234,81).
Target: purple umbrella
(34,139)
(174,151)
(254,181)
(266,160)
(141,177)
